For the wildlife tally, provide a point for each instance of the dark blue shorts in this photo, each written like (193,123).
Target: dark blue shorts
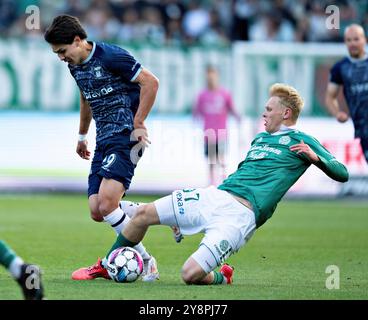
(112,160)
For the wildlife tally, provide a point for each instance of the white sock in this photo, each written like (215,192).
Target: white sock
(118,220)
(103,262)
(142,250)
(129,207)
(15,267)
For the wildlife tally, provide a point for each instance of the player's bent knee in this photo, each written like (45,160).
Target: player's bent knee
(93,208)
(95,216)
(192,272)
(106,206)
(191,276)
(144,215)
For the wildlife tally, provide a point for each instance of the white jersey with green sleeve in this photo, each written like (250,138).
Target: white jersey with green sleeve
(270,169)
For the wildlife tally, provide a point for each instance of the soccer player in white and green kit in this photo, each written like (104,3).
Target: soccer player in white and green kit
(229,214)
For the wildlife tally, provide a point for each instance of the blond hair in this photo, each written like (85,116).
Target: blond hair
(289,98)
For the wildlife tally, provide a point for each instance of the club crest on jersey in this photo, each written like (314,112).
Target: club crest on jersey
(223,250)
(224,244)
(108,161)
(259,140)
(97,72)
(284,140)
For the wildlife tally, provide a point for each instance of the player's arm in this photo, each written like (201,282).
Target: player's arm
(231,108)
(321,158)
(197,112)
(84,122)
(332,103)
(149,86)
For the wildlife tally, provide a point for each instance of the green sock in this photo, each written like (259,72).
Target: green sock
(218,278)
(121,241)
(7,255)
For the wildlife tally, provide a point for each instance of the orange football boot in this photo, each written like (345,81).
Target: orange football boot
(92,272)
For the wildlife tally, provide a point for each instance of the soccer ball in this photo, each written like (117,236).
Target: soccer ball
(124,264)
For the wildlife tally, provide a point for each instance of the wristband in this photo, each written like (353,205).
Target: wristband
(82,137)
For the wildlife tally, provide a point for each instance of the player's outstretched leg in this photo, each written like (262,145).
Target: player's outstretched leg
(130,208)
(150,272)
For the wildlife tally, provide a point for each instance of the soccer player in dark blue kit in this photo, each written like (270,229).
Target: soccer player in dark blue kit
(118,93)
(351,73)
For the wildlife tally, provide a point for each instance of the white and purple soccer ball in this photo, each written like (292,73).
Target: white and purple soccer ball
(124,264)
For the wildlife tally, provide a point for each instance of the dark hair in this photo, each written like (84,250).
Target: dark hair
(63,30)
(211,67)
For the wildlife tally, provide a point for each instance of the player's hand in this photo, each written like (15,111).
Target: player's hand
(178,236)
(82,150)
(342,116)
(305,149)
(140,133)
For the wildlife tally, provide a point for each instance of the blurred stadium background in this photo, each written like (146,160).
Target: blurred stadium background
(253,44)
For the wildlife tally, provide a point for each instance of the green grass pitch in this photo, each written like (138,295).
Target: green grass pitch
(286,258)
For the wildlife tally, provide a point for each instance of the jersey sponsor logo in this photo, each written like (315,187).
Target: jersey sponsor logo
(179,202)
(359,88)
(97,72)
(98,93)
(266,148)
(284,140)
(257,155)
(259,152)
(108,161)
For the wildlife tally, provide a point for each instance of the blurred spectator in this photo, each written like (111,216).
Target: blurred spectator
(195,21)
(172,10)
(98,22)
(272,27)
(174,34)
(75,7)
(281,7)
(8,14)
(152,26)
(214,34)
(348,15)
(317,23)
(244,11)
(129,29)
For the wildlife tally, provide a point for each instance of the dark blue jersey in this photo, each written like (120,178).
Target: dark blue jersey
(352,74)
(105,80)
